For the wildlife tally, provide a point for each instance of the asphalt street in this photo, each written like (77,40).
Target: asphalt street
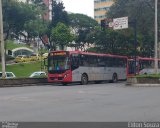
(94,102)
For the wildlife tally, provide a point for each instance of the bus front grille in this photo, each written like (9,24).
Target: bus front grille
(60,78)
(55,78)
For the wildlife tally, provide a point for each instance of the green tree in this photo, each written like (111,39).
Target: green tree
(143,12)
(82,26)
(61,36)
(113,42)
(36,28)
(17,14)
(59,14)
(38,6)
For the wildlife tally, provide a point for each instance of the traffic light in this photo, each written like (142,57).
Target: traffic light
(103,24)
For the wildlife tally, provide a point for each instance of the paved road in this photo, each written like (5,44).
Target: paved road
(94,102)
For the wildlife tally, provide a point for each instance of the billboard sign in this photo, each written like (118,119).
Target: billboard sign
(120,23)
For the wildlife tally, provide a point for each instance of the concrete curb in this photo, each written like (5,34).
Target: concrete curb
(143,85)
(143,82)
(23,82)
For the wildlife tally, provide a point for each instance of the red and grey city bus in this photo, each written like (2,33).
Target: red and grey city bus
(143,66)
(77,66)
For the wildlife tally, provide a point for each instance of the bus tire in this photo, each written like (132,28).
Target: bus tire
(84,79)
(114,78)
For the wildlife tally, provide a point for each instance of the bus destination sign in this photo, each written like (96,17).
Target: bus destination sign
(59,53)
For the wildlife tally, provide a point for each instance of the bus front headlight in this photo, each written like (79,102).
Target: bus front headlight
(66,75)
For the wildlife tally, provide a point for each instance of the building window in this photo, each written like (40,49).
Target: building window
(100,1)
(102,9)
(100,17)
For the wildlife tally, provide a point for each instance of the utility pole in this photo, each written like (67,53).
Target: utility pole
(135,46)
(156,39)
(134,25)
(2,42)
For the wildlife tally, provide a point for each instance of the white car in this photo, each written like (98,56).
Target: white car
(38,73)
(9,75)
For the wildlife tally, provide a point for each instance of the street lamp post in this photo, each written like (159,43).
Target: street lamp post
(156,38)
(135,46)
(2,42)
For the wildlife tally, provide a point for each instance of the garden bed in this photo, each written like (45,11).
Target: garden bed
(150,80)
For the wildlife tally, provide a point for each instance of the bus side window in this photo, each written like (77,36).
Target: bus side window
(141,65)
(101,61)
(81,60)
(112,62)
(108,61)
(158,64)
(122,62)
(119,62)
(95,61)
(74,60)
(84,60)
(92,60)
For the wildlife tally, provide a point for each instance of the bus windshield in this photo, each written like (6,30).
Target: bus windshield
(57,64)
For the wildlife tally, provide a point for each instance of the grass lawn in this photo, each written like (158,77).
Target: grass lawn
(11,45)
(24,69)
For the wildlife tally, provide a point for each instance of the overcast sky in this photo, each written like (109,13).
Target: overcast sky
(80,6)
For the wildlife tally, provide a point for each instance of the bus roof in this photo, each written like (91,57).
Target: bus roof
(143,58)
(92,53)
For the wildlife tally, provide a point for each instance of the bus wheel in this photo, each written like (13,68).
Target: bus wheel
(114,78)
(84,79)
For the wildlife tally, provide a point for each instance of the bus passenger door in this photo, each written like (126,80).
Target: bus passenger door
(75,67)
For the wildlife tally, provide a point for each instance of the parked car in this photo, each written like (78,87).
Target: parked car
(22,58)
(9,75)
(34,57)
(38,74)
(45,55)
